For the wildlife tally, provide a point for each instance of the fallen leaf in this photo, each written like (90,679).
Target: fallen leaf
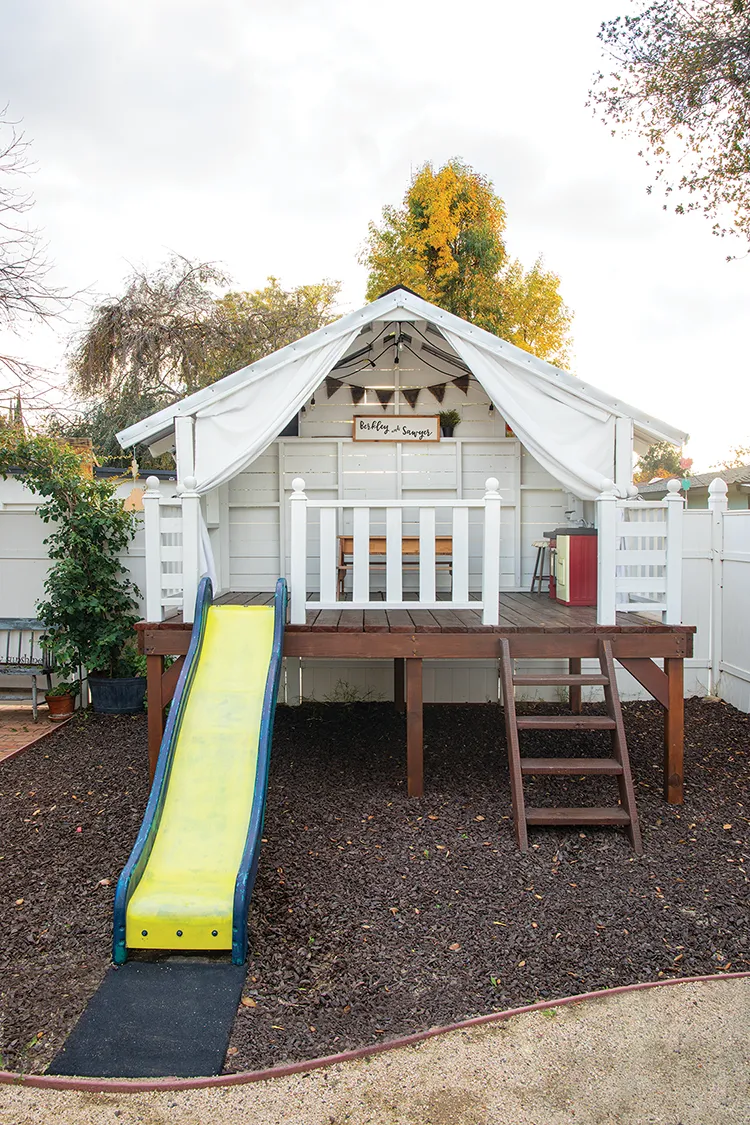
(248,1002)
(232,1050)
(727,827)
(521,964)
(19,902)
(455,946)
(79,829)
(104,883)
(478,818)
(430,817)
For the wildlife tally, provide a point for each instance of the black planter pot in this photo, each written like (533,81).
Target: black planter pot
(123,696)
(446,431)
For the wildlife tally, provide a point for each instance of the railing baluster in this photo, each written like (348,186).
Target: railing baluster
(361,554)
(393,555)
(298,550)
(460,555)
(427,554)
(152,534)
(491,553)
(328,559)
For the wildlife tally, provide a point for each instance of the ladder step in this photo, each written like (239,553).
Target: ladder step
(565,722)
(613,815)
(575,767)
(543,679)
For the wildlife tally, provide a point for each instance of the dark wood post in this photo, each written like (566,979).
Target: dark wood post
(398,683)
(414,728)
(674,731)
(574,692)
(154,672)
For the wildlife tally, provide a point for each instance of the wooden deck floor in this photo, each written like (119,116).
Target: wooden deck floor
(519,613)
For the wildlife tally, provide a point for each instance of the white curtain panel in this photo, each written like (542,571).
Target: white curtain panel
(572,439)
(231,433)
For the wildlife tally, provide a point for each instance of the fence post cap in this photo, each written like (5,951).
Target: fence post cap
(492,485)
(190,484)
(298,485)
(152,484)
(609,490)
(718,487)
(673,487)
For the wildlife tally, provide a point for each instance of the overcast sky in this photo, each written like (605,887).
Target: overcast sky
(266,136)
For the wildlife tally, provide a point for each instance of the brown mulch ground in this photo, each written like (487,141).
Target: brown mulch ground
(375,915)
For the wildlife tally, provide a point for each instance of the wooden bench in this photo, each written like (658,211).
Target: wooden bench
(409,554)
(23,654)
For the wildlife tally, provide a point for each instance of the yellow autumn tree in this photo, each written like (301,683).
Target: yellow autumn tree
(446,243)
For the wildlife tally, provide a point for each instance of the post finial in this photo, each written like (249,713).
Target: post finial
(718,487)
(152,484)
(298,484)
(492,486)
(190,484)
(674,486)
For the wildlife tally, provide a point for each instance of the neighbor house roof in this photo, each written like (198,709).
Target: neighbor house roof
(740,475)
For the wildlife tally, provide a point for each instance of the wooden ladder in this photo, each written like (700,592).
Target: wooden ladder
(618,765)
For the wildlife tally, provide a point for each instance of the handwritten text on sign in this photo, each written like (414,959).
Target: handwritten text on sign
(396,428)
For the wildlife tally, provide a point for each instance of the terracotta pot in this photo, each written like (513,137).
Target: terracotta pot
(60,706)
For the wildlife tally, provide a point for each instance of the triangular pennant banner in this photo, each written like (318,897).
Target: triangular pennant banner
(358,393)
(384,397)
(411,394)
(462,382)
(438,391)
(332,385)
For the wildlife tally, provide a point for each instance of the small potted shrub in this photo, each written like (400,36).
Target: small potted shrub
(61,700)
(123,690)
(449,419)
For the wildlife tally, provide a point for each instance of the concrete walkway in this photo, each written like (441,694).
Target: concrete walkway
(663,1056)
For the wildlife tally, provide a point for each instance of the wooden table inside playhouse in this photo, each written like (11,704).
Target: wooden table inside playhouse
(409,554)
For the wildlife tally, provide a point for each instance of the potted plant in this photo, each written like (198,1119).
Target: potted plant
(449,419)
(90,606)
(61,700)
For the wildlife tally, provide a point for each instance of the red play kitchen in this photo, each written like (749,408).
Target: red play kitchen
(573,565)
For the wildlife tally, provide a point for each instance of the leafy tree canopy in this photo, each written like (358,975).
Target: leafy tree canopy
(682,83)
(737,458)
(446,243)
(172,332)
(661,460)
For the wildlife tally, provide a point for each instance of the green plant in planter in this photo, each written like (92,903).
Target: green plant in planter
(89,607)
(70,687)
(449,419)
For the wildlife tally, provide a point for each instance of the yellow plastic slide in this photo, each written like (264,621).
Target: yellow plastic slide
(184,898)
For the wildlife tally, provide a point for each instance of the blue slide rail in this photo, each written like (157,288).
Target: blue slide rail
(243,887)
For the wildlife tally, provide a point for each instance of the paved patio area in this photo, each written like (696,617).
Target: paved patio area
(18,729)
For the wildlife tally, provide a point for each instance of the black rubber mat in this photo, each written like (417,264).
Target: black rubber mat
(155,1019)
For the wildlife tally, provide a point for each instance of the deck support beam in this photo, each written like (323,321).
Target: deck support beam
(399,673)
(674,732)
(156,704)
(414,729)
(574,693)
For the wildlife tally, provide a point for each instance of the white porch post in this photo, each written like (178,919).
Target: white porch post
(491,560)
(606,524)
(298,550)
(152,535)
(184,441)
(623,454)
(190,501)
(675,506)
(717,504)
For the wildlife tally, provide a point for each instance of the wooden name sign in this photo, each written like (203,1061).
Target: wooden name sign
(396,427)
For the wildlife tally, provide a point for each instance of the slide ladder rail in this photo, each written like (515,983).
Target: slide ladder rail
(144,843)
(248,868)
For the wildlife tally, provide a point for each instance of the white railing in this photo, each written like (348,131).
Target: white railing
(640,556)
(172,532)
(330,524)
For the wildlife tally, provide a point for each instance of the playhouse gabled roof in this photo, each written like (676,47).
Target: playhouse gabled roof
(400,304)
